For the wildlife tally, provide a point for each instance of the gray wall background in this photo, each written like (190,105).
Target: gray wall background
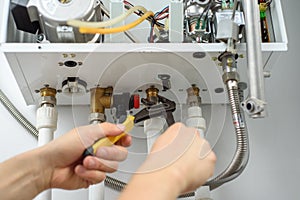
(273,169)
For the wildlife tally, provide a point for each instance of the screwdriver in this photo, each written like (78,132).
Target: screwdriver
(110,140)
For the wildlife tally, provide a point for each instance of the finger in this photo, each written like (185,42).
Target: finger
(170,147)
(94,163)
(114,153)
(91,133)
(125,141)
(92,176)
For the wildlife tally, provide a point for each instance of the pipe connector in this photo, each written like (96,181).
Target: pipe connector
(254,107)
(101,98)
(46,118)
(47,114)
(48,96)
(152,95)
(193,98)
(230,76)
(97,117)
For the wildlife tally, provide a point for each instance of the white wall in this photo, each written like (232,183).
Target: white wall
(273,170)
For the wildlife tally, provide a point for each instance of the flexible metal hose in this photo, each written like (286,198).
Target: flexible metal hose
(241,156)
(118,185)
(114,184)
(17,115)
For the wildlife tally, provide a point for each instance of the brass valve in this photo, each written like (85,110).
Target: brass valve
(101,98)
(47,91)
(152,95)
(194,98)
(48,96)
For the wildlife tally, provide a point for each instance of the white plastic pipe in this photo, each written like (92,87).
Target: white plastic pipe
(45,136)
(196,120)
(96,192)
(46,125)
(153,128)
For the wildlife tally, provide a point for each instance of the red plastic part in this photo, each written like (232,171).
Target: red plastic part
(136,101)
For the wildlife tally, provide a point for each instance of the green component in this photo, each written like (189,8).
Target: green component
(203,25)
(224,4)
(198,24)
(231,4)
(263,15)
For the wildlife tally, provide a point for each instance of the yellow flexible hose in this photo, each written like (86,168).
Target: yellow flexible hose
(117,29)
(78,23)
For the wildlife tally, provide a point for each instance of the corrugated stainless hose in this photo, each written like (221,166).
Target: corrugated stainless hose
(117,185)
(17,115)
(241,156)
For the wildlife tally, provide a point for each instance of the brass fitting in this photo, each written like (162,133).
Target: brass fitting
(152,94)
(48,96)
(101,98)
(47,91)
(193,98)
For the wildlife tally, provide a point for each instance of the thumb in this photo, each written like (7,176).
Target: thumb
(91,133)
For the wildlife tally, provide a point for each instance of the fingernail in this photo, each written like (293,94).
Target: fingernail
(121,127)
(92,163)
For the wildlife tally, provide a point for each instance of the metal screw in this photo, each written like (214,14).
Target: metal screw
(73,55)
(61,64)
(79,63)
(229,62)
(214,58)
(65,55)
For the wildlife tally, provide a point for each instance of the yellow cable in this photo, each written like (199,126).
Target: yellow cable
(117,29)
(78,23)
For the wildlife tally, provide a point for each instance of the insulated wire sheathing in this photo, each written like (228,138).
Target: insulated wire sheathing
(17,115)
(80,24)
(131,37)
(116,29)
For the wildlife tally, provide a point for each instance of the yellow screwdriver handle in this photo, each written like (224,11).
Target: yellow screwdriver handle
(110,140)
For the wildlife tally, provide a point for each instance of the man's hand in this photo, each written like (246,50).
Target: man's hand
(65,166)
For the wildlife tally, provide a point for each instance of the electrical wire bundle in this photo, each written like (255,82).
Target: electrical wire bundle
(101,27)
(161,15)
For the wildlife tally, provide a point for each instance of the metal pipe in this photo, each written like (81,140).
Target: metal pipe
(118,185)
(17,115)
(255,103)
(241,155)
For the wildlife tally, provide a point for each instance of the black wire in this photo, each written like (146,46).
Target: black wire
(140,13)
(206,9)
